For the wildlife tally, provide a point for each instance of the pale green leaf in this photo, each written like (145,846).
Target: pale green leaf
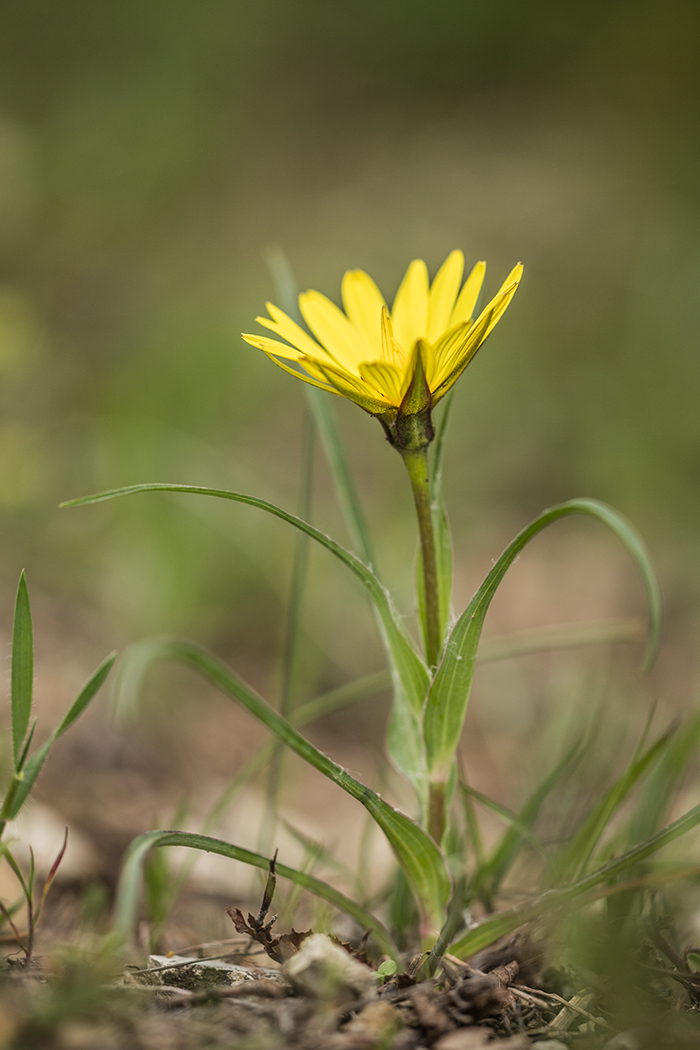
(408,670)
(131,878)
(449,692)
(492,928)
(33,766)
(414,849)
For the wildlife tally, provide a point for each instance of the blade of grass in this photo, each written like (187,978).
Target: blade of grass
(507,816)
(290,653)
(321,408)
(494,927)
(130,881)
(489,875)
(662,783)
(409,673)
(414,849)
(576,855)
(135,663)
(559,636)
(449,692)
(24,782)
(22,669)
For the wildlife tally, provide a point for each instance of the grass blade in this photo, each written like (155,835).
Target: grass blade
(33,766)
(321,408)
(290,652)
(575,856)
(662,783)
(409,673)
(22,670)
(130,881)
(520,828)
(414,849)
(449,692)
(560,636)
(494,927)
(488,878)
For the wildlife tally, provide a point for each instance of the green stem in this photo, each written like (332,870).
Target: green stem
(417,466)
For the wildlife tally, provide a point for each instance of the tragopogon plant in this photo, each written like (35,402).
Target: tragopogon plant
(396,365)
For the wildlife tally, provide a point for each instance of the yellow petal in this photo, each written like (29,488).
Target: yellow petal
(409,315)
(288,329)
(443,292)
(384,377)
(443,351)
(330,325)
(459,355)
(464,307)
(300,375)
(358,390)
(363,304)
(272,346)
(500,301)
(391,352)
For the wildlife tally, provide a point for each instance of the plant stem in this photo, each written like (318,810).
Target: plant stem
(417,466)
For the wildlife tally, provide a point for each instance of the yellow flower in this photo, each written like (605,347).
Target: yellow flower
(392,364)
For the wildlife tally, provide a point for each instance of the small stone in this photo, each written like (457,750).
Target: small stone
(324,970)
(549,1044)
(178,971)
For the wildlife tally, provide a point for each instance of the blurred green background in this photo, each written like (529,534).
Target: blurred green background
(152,152)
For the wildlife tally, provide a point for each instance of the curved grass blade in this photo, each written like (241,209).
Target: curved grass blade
(560,636)
(662,783)
(130,881)
(24,783)
(409,666)
(22,670)
(414,849)
(449,693)
(292,633)
(409,674)
(574,858)
(321,408)
(494,927)
(520,828)
(489,876)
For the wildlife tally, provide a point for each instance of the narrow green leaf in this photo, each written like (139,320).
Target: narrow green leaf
(662,783)
(130,881)
(559,636)
(449,693)
(489,876)
(574,858)
(409,673)
(491,929)
(410,668)
(22,672)
(414,849)
(321,408)
(507,816)
(32,767)
(292,634)
(27,745)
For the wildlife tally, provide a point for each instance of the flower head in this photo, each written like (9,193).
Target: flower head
(395,364)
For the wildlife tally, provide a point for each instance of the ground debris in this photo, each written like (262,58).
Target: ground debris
(195,974)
